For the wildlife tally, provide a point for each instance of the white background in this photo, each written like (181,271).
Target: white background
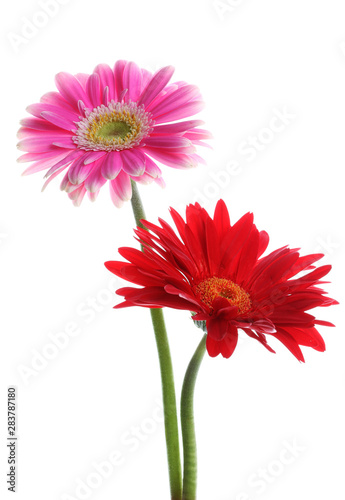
(249,60)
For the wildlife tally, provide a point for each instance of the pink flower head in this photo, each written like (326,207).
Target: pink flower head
(112,125)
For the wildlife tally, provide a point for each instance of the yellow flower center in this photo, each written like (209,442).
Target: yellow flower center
(211,288)
(113,127)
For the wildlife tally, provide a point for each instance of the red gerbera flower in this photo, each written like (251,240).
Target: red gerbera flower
(215,270)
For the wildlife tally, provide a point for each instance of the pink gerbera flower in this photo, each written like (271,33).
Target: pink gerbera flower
(112,125)
(216,270)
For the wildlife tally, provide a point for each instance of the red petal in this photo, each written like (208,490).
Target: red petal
(225,346)
(221,218)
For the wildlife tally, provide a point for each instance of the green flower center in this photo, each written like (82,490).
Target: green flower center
(114,129)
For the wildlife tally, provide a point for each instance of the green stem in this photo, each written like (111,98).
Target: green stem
(137,206)
(167,376)
(187,423)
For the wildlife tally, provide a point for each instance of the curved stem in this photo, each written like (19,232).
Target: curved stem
(187,423)
(167,376)
(137,206)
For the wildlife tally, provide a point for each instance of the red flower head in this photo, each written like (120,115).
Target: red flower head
(215,270)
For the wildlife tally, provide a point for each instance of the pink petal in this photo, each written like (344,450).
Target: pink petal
(122,186)
(147,76)
(78,172)
(145,179)
(28,133)
(112,165)
(122,95)
(39,156)
(72,187)
(65,161)
(82,79)
(132,80)
(92,156)
(37,124)
(151,168)
(82,109)
(160,181)
(172,160)
(77,195)
(71,89)
(175,100)
(106,76)
(191,108)
(176,128)
(56,99)
(53,177)
(65,182)
(118,74)
(118,202)
(93,90)
(200,143)
(197,159)
(156,85)
(64,142)
(166,92)
(43,164)
(169,142)
(39,108)
(95,180)
(58,120)
(133,163)
(40,144)
(105,97)
(93,196)
(198,135)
